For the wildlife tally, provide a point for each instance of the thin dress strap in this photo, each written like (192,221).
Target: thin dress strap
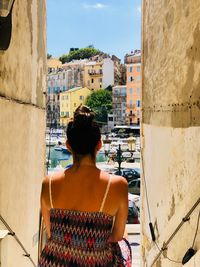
(50,194)
(106,193)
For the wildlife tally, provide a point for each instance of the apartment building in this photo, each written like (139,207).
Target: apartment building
(119,104)
(61,78)
(99,74)
(133,83)
(70,100)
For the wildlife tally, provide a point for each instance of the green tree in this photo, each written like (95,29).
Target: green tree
(100,102)
(81,53)
(49,56)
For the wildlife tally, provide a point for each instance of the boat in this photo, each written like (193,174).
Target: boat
(65,150)
(58,148)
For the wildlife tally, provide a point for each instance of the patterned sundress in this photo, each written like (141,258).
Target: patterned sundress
(80,239)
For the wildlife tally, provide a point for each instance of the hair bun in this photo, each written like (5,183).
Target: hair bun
(83,117)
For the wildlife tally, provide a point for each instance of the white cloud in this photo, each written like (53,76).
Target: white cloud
(139,9)
(95,6)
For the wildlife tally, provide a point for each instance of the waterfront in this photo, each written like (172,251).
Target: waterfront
(62,160)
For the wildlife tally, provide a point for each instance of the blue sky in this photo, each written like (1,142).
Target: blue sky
(113,26)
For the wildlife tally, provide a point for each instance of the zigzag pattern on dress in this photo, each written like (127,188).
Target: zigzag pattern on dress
(79,239)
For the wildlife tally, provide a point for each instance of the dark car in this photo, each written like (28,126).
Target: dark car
(133,214)
(129,174)
(134,187)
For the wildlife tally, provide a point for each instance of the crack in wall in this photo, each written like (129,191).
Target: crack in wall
(21,102)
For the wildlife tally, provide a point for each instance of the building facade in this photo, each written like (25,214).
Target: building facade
(60,79)
(53,64)
(133,83)
(99,75)
(70,100)
(119,104)
(22,120)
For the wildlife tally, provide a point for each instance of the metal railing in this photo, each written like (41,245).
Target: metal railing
(12,233)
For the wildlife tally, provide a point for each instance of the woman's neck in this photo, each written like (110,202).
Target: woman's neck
(84,161)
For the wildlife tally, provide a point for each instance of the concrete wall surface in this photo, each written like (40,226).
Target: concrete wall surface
(170,127)
(22,134)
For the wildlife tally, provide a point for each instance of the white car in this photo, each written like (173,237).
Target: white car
(133,198)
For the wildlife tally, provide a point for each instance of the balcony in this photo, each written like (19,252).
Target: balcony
(95,73)
(130,115)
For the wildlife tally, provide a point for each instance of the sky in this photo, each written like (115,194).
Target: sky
(112,26)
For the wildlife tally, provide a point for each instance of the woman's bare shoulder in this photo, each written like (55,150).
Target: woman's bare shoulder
(119,180)
(55,177)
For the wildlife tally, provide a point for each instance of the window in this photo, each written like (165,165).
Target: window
(130,69)
(66,97)
(62,113)
(131,78)
(100,86)
(81,97)
(137,103)
(131,103)
(58,97)
(110,118)
(92,81)
(100,80)
(138,90)
(64,88)
(138,78)
(131,90)
(49,90)
(74,104)
(67,114)
(138,69)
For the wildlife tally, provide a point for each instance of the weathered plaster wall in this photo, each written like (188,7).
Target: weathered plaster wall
(170,125)
(171,77)
(22,134)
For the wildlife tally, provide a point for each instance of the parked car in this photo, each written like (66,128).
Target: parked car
(134,187)
(135,199)
(133,214)
(129,174)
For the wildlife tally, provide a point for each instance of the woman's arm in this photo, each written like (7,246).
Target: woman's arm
(122,213)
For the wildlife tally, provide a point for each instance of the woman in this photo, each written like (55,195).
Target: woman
(84,209)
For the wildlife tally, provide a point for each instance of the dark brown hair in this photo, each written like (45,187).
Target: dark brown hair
(83,133)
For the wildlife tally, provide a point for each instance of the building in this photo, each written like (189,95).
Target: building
(99,74)
(119,71)
(22,135)
(133,83)
(76,68)
(119,104)
(170,132)
(70,100)
(53,64)
(59,79)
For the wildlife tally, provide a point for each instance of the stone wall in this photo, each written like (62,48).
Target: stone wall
(22,134)
(170,126)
